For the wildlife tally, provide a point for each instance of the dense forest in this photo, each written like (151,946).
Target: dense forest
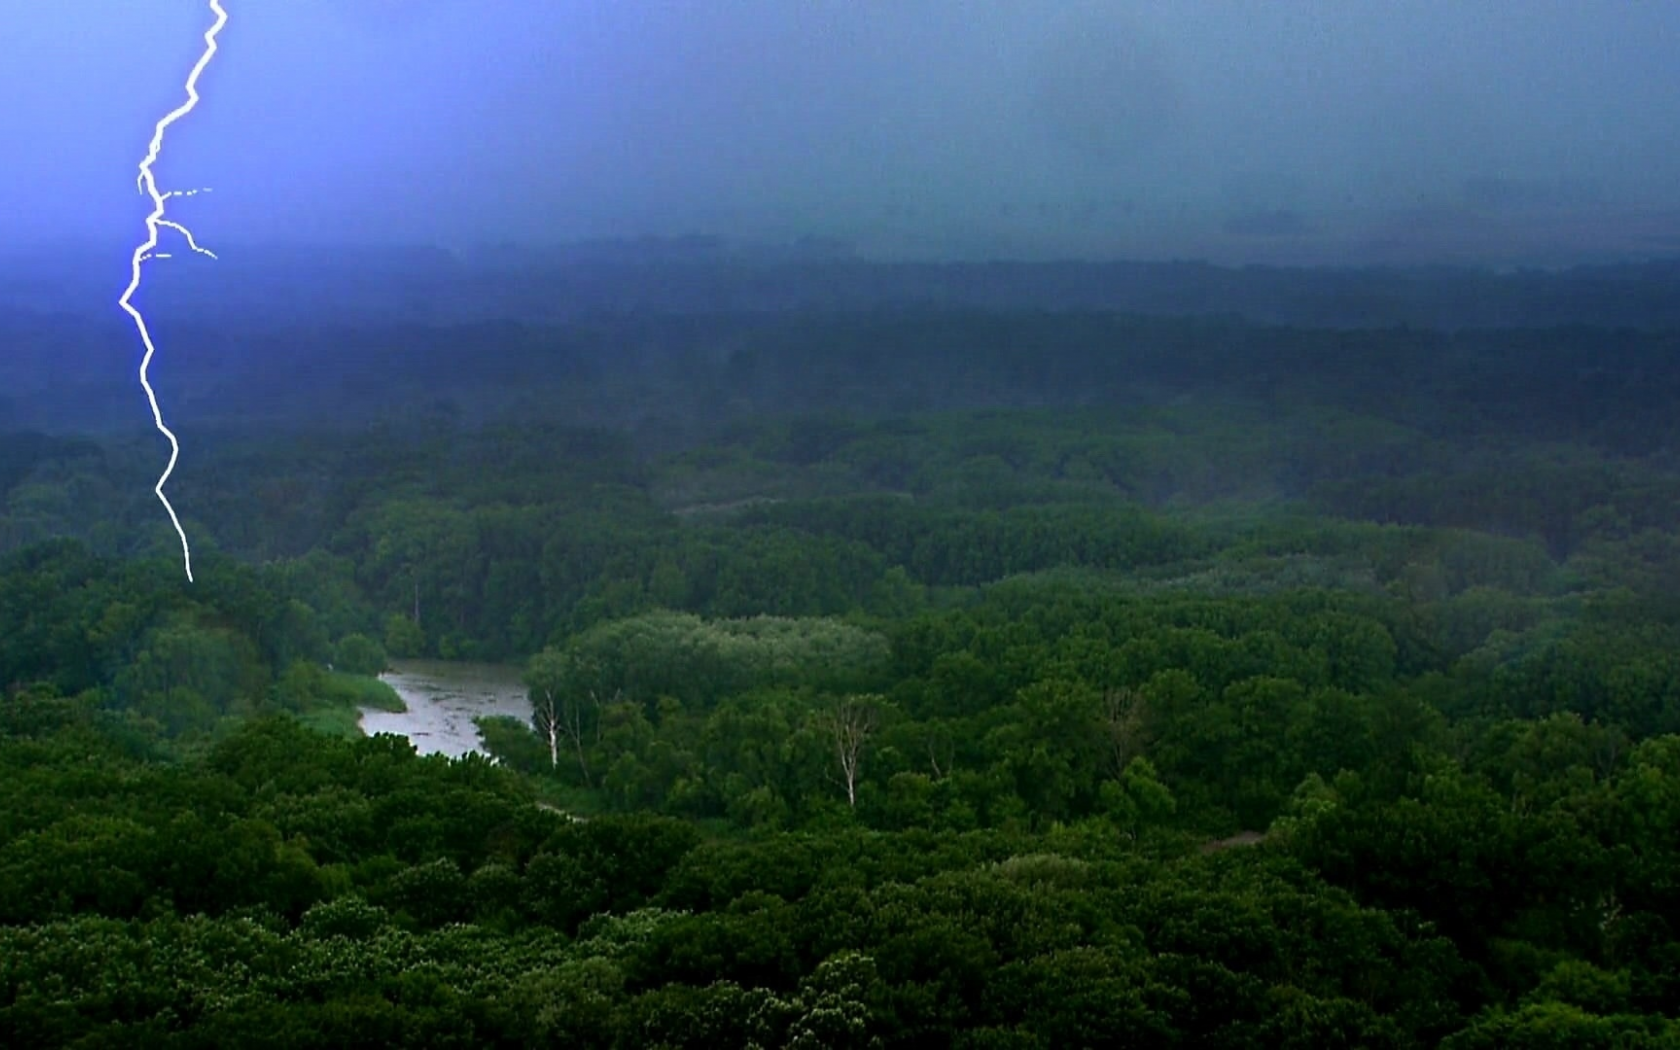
(637,336)
(903,676)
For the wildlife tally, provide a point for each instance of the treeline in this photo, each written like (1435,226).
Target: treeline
(701,276)
(1046,703)
(440,539)
(134,641)
(673,378)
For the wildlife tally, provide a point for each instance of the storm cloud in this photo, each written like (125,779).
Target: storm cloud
(924,127)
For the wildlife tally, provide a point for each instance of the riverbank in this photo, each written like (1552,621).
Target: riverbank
(343,699)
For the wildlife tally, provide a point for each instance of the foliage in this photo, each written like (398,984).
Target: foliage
(359,654)
(1334,708)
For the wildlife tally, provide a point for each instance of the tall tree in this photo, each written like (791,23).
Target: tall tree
(564,704)
(848,724)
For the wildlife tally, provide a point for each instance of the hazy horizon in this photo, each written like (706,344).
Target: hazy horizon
(1283,131)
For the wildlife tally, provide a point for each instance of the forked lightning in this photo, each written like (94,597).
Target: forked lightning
(148,249)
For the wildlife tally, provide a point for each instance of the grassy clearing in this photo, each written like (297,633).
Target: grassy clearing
(339,698)
(363,691)
(333,720)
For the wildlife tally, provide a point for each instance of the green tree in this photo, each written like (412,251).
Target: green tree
(359,654)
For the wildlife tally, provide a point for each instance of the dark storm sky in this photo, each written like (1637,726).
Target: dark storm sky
(1020,126)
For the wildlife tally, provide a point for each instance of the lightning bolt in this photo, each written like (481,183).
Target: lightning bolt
(148,249)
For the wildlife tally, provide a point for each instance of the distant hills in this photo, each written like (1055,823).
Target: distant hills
(293,284)
(696,331)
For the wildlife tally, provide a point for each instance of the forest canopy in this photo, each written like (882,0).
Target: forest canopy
(1022,679)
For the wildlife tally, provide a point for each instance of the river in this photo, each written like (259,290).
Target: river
(443,698)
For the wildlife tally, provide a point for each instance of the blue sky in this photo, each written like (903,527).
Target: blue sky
(1026,124)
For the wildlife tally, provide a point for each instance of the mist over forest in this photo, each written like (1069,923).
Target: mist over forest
(1152,525)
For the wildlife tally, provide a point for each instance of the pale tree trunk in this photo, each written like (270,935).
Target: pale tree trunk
(850,723)
(555,719)
(574,729)
(548,720)
(939,743)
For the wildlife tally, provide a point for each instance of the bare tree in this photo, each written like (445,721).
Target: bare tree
(1612,742)
(561,704)
(849,724)
(556,716)
(546,716)
(1124,718)
(941,749)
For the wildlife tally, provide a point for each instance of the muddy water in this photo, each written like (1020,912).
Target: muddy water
(443,698)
